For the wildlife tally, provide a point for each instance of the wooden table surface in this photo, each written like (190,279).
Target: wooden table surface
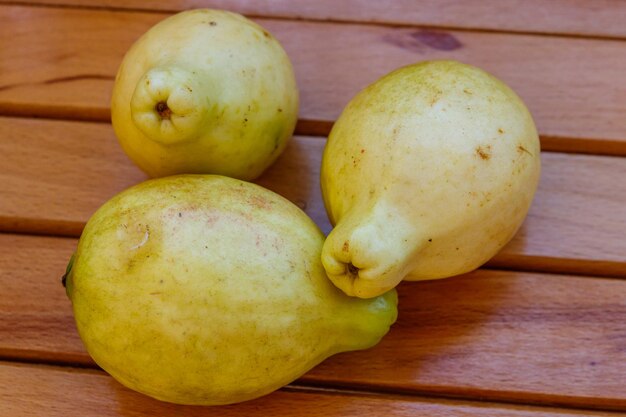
(540,331)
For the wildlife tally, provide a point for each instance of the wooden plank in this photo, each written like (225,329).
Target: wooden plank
(497,335)
(577,221)
(602,18)
(37,321)
(31,390)
(569,84)
(56,174)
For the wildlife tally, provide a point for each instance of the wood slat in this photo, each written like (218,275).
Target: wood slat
(37,321)
(56,174)
(496,335)
(572,86)
(577,222)
(602,18)
(30,390)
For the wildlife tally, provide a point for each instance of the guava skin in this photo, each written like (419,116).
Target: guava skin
(200,289)
(427,174)
(206,92)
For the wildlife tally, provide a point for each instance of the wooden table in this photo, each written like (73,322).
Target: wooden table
(540,331)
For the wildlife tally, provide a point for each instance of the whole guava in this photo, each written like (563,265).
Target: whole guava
(205,91)
(201,289)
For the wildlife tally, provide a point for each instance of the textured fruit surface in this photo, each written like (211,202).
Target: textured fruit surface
(201,289)
(205,91)
(427,173)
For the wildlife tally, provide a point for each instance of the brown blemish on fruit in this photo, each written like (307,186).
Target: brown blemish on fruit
(435,98)
(346,246)
(266,34)
(521,149)
(260,202)
(500,131)
(484,152)
(276,142)
(211,219)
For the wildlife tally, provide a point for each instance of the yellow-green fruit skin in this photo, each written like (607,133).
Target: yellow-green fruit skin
(427,174)
(230,90)
(201,289)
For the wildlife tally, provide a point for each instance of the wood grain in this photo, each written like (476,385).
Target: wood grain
(56,174)
(498,335)
(569,84)
(31,390)
(492,335)
(37,322)
(577,221)
(602,18)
